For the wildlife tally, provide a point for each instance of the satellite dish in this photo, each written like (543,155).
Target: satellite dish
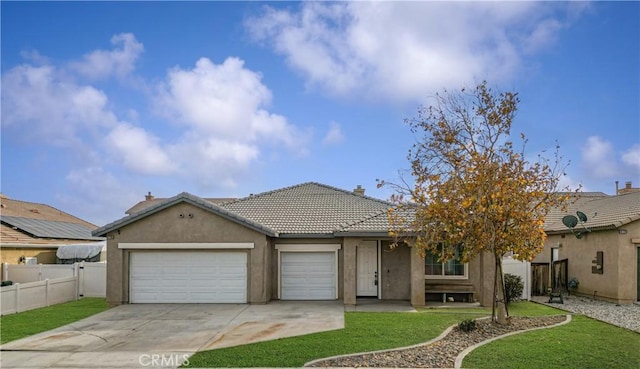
(570,221)
(582,216)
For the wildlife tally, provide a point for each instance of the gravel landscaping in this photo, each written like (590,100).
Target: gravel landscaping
(442,353)
(625,316)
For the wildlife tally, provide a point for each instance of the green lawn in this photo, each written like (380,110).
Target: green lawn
(362,332)
(584,343)
(20,325)
(526,308)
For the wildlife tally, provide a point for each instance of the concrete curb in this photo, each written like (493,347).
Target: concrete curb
(465,352)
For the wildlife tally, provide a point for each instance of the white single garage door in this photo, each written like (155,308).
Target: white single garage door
(188,277)
(308,275)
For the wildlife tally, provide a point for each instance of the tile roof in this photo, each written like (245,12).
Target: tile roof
(156,200)
(305,209)
(576,202)
(603,212)
(143,205)
(308,209)
(314,209)
(188,198)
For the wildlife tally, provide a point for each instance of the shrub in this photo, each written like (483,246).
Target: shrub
(467,325)
(513,287)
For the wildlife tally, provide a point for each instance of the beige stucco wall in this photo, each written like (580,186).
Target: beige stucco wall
(349,247)
(167,226)
(11,255)
(618,283)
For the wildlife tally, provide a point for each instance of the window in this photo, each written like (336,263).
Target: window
(453,268)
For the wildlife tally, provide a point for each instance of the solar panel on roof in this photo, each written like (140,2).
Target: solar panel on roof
(50,229)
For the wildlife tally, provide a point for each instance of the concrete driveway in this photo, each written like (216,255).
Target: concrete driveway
(164,335)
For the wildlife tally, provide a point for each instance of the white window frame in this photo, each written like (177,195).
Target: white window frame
(307,248)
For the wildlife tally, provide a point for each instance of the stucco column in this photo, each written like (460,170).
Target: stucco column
(115,272)
(349,268)
(259,273)
(417,277)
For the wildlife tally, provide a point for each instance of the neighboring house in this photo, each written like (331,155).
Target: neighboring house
(605,259)
(305,242)
(33,233)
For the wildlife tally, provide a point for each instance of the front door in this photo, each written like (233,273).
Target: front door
(367,268)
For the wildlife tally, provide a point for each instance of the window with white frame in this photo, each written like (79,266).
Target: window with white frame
(453,268)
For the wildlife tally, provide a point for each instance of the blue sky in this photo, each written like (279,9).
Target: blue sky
(103,102)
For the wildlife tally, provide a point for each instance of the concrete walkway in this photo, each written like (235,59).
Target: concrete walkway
(164,335)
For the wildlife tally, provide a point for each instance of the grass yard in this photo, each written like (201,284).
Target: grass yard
(584,343)
(362,332)
(20,325)
(526,308)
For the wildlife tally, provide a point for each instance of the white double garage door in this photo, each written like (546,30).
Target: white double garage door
(222,277)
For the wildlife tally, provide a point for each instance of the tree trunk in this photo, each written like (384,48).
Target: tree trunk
(500,313)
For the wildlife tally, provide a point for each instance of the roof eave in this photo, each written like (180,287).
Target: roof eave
(384,234)
(31,245)
(306,235)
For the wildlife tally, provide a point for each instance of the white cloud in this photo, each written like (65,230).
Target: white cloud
(97,196)
(213,162)
(598,157)
(631,157)
(543,34)
(224,109)
(40,101)
(139,151)
(120,61)
(220,116)
(568,183)
(225,100)
(334,136)
(402,50)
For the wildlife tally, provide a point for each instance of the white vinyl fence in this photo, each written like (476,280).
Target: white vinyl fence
(46,284)
(522,269)
(26,296)
(93,279)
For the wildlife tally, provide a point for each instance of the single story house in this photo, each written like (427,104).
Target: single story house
(305,242)
(602,253)
(32,232)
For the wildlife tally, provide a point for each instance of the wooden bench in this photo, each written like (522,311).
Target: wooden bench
(466,290)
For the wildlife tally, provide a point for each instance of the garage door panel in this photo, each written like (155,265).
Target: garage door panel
(308,276)
(188,276)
